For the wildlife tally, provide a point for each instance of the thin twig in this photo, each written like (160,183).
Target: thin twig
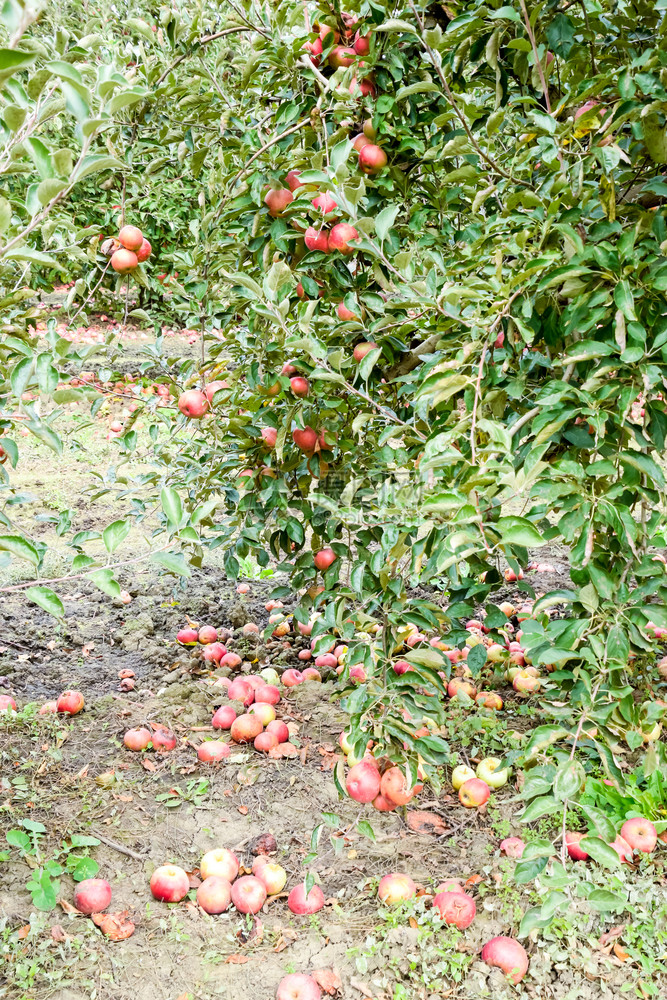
(197,45)
(78,576)
(459,114)
(118,847)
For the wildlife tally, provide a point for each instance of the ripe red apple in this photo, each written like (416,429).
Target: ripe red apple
(525,683)
(213,652)
(359,142)
(245,728)
(137,739)
(300,386)
(299,902)
(279,729)
(220,861)
(311,674)
(248,894)
(396,887)
(212,751)
(511,576)
(325,660)
(382,804)
(144,251)
(372,159)
(7,704)
(241,690)
(123,261)
(362,88)
(48,708)
(572,844)
(361,350)
(456,908)
(292,677)
(265,741)
(267,694)
(277,201)
(512,847)
(640,834)
(324,558)
(306,439)
(474,793)
(193,403)
(342,56)
(623,849)
(164,740)
(269,436)
(169,884)
(362,44)
(187,636)
(214,894)
(273,876)
(224,717)
(340,236)
(70,702)
(363,781)
(131,237)
(325,203)
(214,387)
(316,239)
(393,787)
(489,699)
(507,954)
(232,660)
(298,986)
(92,895)
(345,314)
(293,181)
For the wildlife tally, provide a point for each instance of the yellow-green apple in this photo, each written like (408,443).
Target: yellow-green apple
(460,775)
(489,771)
(396,887)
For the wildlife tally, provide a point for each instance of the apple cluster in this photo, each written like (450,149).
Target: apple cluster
(129,249)
(455,907)
(224,882)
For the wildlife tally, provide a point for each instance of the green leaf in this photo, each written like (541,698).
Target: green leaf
(600,852)
(368,363)
(527,871)
(604,827)
(519,531)
(104,580)
(606,901)
(49,189)
(95,162)
(84,868)
(44,890)
(172,506)
(624,299)
(568,780)
(47,375)
(47,600)
(174,562)
(40,156)
(545,805)
(12,60)
(125,99)
(20,376)
(114,534)
(366,830)
(385,220)
(19,547)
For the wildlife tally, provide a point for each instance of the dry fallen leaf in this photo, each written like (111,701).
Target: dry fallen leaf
(23,932)
(115,926)
(237,959)
(425,822)
(147,764)
(328,980)
(283,750)
(358,985)
(67,906)
(620,952)
(287,937)
(58,934)
(243,810)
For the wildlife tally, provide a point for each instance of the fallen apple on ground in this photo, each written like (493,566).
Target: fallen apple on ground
(220,861)
(92,895)
(507,954)
(299,902)
(169,884)
(396,887)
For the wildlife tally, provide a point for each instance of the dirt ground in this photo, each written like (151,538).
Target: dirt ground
(76,778)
